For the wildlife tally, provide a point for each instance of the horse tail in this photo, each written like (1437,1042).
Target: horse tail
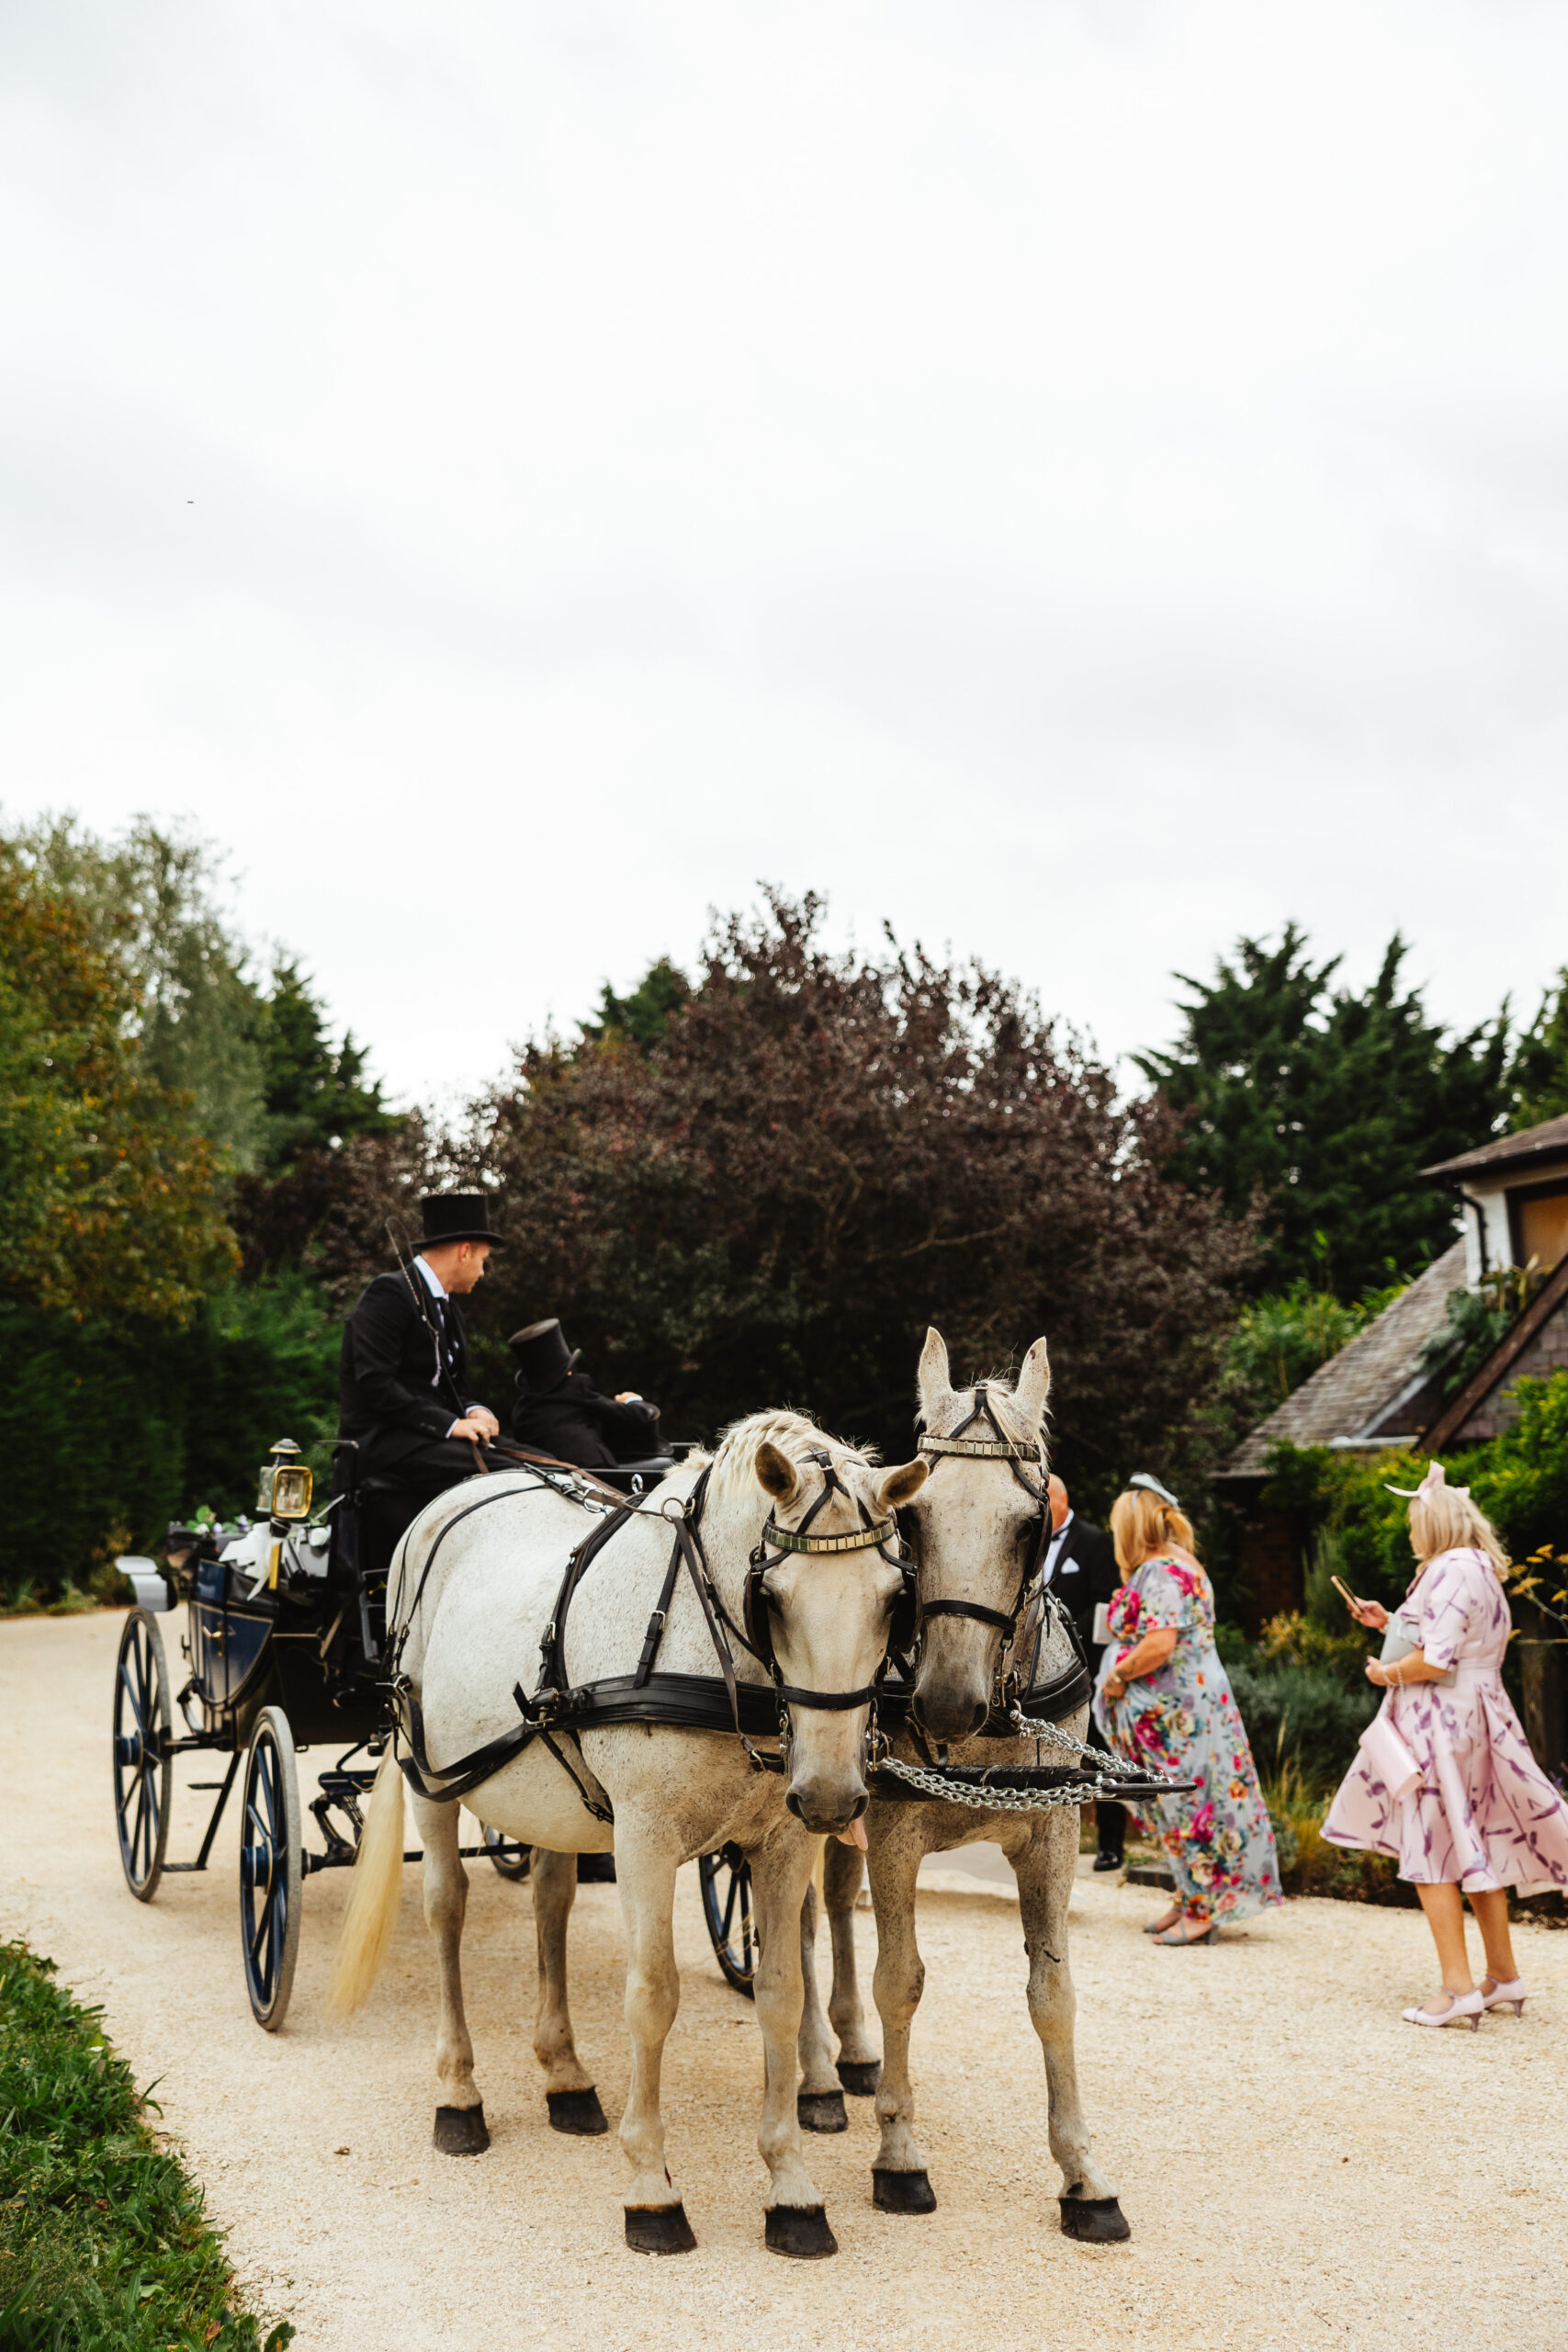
(375,1895)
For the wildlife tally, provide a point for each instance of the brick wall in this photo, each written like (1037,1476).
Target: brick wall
(1268,1556)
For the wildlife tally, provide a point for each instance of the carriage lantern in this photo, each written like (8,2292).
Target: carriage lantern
(286,1484)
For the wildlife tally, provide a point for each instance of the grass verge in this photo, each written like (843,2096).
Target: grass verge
(105,2246)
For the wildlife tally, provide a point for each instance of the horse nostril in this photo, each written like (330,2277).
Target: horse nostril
(791,1804)
(860,1803)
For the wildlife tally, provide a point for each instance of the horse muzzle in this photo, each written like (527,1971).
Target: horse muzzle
(827,1803)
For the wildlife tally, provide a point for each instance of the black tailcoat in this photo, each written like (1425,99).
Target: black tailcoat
(403,1376)
(1086,1574)
(576,1423)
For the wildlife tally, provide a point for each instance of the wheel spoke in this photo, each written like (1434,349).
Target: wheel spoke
(265,1920)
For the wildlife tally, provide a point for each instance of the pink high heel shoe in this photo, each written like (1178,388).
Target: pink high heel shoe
(1465,2008)
(1511,1996)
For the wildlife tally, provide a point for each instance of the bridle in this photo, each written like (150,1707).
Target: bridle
(871,1535)
(1034,1535)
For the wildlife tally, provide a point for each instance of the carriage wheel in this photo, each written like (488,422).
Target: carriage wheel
(144,1768)
(509,1865)
(726,1881)
(271,1846)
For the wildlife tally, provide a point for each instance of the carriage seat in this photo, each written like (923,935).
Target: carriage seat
(634,1477)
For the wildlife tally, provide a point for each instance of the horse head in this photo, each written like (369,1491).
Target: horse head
(980,1525)
(824,1580)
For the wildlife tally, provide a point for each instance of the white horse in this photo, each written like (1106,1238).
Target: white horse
(972,1519)
(474,1588)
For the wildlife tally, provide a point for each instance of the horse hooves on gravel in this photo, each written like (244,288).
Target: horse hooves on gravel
(800,2230)
(1094,2220)
(859,2076)
(578,2113)
(821,2111)
(658,2229)
(903,2193)
(460,2130)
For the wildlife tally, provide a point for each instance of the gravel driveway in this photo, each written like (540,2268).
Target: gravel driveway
(1298,2167)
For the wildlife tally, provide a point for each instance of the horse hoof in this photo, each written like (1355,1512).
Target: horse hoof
(859,2076)
(460,2130)
(903,2193)
(578,2113)
(819,2112)
(1094,2220)
(658,2229)
(800,2230)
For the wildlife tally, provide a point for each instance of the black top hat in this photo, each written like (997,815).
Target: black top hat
(543,1357)
(456,1216)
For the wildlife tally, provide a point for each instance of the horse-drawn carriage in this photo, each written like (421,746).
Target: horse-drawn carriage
(857,1627)
(284,1645)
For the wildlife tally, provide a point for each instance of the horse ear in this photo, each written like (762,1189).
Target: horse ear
(901,1486)
(934,1379)
(1034,1391)
(776,1472)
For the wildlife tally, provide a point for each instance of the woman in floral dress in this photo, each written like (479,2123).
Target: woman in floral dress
(1445,1781)
(1164,1698)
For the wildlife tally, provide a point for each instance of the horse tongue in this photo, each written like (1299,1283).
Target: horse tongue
(853,1835)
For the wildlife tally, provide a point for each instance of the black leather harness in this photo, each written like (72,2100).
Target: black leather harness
(1072,1689)
(555,1711)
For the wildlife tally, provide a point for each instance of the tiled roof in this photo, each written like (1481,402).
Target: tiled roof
(1548,1141)
(1353,1390)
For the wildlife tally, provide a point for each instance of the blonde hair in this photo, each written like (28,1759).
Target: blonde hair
(1142,1524)
(1447,1520)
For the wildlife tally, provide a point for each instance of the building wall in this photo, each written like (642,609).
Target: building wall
(1547,1353)
(1269,1558)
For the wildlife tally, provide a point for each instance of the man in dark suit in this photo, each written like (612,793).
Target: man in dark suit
(560,1412)
(1080,1569)
(403,1378)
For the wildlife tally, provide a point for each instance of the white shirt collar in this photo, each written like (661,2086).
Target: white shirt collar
(432,1281)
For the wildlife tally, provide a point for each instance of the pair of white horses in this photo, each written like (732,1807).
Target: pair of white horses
(475,1589)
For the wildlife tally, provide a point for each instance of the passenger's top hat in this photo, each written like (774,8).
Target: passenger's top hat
(543,1357)
(456,1216)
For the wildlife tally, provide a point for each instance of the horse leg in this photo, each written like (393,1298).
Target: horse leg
(570,2095)
(460,2115)
(859,2064)
(645,1872)
(1044,1869)
(899,2181)
(781,1870)
(820,2102)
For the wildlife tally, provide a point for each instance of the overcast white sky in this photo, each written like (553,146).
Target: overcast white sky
(1079,481)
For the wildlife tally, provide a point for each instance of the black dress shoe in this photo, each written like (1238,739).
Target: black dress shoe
(1109,1861)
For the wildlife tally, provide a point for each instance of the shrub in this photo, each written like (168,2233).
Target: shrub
(1302,1716)
(104,2243)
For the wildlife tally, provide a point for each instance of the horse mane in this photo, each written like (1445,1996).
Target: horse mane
(791,1433)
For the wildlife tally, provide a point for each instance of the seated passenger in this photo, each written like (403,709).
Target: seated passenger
(559,1412)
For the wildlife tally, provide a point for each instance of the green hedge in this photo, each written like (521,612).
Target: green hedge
(108,1432)
(104,2243)
(1519,1479)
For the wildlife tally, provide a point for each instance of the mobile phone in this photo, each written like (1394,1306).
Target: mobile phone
(1348,1597)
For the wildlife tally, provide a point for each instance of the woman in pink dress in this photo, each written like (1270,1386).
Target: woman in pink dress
(1445,1781)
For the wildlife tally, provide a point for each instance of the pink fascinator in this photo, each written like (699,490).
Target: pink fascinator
(1433,1483)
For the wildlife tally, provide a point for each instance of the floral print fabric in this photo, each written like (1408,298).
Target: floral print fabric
(1485,1814)
(1183,1719)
